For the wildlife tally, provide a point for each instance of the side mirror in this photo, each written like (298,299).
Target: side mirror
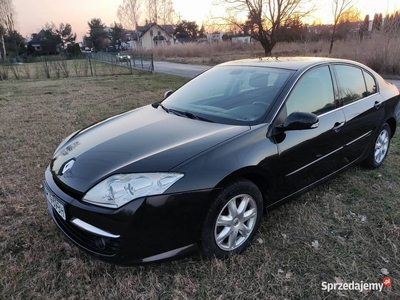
(300,120)
(167,94)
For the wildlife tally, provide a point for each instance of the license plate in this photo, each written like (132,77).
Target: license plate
(55,203)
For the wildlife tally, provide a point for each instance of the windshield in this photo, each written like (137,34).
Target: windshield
(230,94)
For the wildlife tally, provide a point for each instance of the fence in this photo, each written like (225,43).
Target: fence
(91,64)
(131,60)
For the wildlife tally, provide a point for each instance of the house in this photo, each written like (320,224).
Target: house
(152,35)
(45,42)
(243,39)
(319,29)
(35,41)
(349,29)
(215,36)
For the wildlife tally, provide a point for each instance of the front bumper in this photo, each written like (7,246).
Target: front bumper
(144,230)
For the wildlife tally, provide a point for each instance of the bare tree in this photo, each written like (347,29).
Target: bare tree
(165,12)
(151,10)
(129,13)
(340,8)
(160,11)
(6,22)
(264,17)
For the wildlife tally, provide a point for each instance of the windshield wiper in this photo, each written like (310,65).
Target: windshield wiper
(190,115)
(157,104)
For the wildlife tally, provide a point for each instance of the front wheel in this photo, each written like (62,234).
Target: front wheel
(380,148)
(232,220)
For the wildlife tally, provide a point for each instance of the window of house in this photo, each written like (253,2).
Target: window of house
(151,32)
(312,93)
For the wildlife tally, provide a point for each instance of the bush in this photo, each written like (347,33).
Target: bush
(206,50)
(4,72)
(73,50)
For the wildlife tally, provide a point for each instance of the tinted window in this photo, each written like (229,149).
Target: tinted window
(230,94)
(351,84)
(312,93)
(371,84)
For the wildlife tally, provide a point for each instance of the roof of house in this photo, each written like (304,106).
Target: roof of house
(132,35)
(169,29)
(37,38)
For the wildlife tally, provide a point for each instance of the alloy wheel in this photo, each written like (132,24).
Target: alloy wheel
(235,222)
(381,146)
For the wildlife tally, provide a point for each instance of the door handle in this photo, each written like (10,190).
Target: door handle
(377,104)
(338,126)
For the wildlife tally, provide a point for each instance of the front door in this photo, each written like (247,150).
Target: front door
(307,156)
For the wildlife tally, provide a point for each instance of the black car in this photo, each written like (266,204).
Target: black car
(199,169)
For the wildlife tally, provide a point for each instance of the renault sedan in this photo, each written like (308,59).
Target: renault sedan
(199,169)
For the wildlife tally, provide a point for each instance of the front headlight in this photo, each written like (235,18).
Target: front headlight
(120,189)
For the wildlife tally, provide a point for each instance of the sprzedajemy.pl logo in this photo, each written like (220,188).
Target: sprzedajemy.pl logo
(356,286)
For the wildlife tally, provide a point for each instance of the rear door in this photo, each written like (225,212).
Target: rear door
(363,107)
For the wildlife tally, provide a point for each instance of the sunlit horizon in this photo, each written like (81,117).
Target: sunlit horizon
(31,17)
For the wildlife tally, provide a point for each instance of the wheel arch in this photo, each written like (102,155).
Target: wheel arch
(392,124)
(253,174)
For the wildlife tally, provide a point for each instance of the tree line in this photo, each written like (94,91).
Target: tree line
(266,21)
(131,13)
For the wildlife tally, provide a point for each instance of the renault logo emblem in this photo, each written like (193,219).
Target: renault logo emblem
(68,166)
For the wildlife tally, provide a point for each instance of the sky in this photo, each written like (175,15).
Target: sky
(31,15)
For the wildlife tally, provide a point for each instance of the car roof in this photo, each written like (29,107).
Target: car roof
(291,63)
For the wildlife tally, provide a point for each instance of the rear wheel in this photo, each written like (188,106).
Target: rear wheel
(380,148)
(232,220)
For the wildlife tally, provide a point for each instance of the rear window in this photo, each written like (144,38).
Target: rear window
(370,83)
(352,86)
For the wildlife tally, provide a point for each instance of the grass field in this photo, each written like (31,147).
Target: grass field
(346,230)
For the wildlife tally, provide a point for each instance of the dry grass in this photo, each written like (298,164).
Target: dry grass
(209,54)
(355,218)
(381,52)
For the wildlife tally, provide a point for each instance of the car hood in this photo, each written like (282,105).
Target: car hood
(141,140)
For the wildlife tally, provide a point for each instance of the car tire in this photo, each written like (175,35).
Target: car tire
(232,220)
(379,149)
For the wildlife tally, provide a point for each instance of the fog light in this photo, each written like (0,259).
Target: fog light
(101,243)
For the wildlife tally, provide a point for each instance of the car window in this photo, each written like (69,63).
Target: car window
(351,84)
(370,83)
(312,93)
(227,94)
